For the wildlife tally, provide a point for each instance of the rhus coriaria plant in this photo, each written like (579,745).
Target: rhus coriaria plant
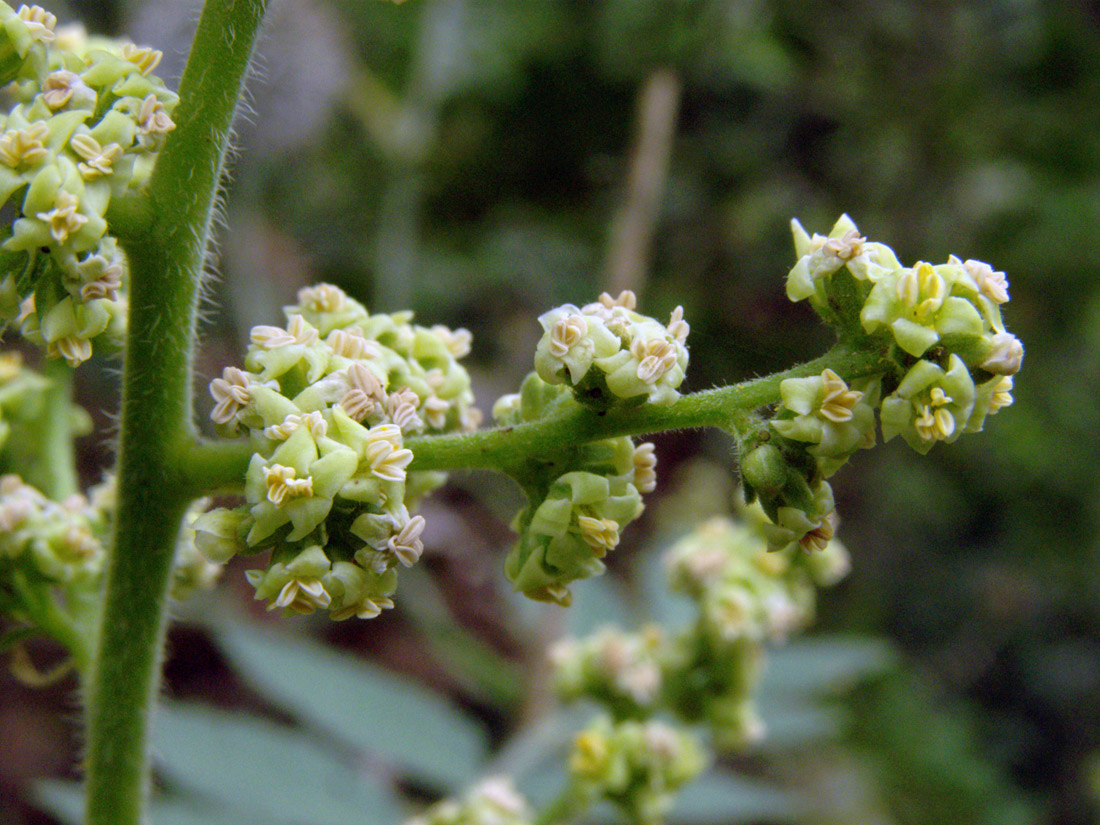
(338,420)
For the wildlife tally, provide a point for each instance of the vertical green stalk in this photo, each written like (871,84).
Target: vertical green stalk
(165,272)
(58,461)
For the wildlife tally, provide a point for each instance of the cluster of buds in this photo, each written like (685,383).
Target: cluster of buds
(52,555)
(579,501)
(49,541)
(637,766)
(493,801)
(327,402)
(609,354)
(949,364)
(22,405)
(746,597)
(622,671)
(84,122)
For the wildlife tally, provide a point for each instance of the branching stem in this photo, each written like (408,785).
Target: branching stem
(208,466)
(166,269)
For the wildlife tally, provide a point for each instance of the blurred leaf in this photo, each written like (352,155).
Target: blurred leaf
(535,757)
(65,801)
(720,797)
(358,703)
(669,610)
(261,767)
(597,602)
(470,660)
(792,724)
(822,666)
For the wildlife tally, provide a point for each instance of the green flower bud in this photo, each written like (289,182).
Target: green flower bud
(220,534)
(569,344)
(764,470)
(295,586)
(565,536)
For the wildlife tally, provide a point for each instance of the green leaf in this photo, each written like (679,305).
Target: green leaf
(65,801)
(721,797)
(264,768)
(469,659)
(360,704)
(823,666)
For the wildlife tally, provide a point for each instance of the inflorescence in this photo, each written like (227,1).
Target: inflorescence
(327,402)
(84,119)
(947,363)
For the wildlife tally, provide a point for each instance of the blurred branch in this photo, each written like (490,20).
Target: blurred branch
(407,131)
(634,222)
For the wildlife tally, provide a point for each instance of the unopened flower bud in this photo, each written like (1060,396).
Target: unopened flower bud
(764,469)
(1006,355)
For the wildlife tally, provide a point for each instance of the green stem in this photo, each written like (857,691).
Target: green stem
(210,465)
(568,805)
(724,407)
(57,467)
(45,613)
(165,272)
(213,466)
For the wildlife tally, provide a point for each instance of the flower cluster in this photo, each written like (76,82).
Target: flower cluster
(956,358)
(620,670)
(327,402)
(52,555)
(949,364)
(609,354)
(745,597)
(84,122)
(637,766)
(578,502)
(57,542)
(22,405)
(493,801)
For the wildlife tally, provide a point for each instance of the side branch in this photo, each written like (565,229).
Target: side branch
(208,466)
(722,407)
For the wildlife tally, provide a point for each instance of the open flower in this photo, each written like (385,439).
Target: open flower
(570,343)
(931,404)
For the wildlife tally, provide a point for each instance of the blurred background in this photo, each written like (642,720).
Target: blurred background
(480,161)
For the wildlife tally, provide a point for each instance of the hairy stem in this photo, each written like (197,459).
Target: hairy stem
(166,268)
(724,407)
(208,465)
